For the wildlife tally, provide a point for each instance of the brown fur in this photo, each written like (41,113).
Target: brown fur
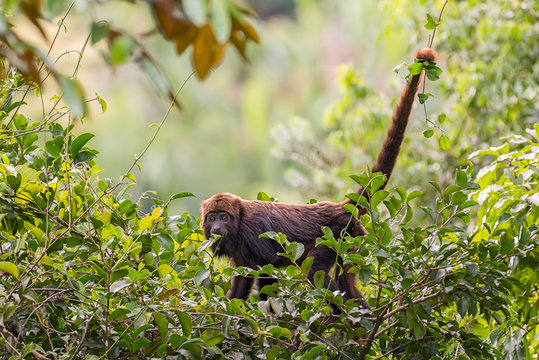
(300,222)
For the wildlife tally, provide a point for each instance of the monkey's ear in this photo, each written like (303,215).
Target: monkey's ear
(238,209)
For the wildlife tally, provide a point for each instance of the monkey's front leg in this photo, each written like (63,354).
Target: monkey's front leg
(241,287)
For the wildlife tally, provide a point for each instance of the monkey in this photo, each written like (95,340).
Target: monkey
(239,223)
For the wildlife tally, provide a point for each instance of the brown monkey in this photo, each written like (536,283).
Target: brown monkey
(241,222)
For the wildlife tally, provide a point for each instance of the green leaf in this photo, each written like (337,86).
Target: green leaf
(98,269)
(162,324)
(238,306)
(441,118)
(133,179)
(311,354)
(450,189)
(433,73)
(73,94)
(444,142)
(186,323)
(381,255)
(377,181)
(155,74)
(193,348)
(213,340)
(145,223)
(464,304)
(414,194)
(362,179)
(462,179)
(141,328)
(472,269)
(140,343)
(416,68)
(7,313)
(297,249)
(78,143)
(29,139)
(54,146)
(391,207)
(253,324)
(164,269)
(277,305)
(8,108)
(102,102)
(195,10)
(406,283)
(351,209)
(117,313)
(99,30)
(377,197)
(20,121)
(278,331)
(220,20)
(182,195)
(201,275)
(27,349)
(319,278)
(10,268)
(306,314)
(459,198)
(436,186)
(402,193)
(175,340)
(507,244)
(306,265)
(415,324)
(423,97)
(126,207)
(262,196)
(121,49)
(14,182)
(119,285)
(431,23)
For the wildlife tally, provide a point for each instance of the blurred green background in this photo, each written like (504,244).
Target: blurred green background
(221,140)
(277,124)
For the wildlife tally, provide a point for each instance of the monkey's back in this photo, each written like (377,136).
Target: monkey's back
(299,222)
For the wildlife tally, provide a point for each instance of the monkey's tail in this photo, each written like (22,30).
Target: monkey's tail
(395,134)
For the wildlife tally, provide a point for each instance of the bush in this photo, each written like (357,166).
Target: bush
(86,274)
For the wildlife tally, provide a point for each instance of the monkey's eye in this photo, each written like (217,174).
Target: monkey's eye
(224,217)
(211,218)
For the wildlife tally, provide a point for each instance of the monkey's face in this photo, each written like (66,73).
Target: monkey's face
(217,222)
(223,224)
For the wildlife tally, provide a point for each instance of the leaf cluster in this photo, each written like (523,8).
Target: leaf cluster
(208,26)
(86,272)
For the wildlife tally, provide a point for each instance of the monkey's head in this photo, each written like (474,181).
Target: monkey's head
(220,216)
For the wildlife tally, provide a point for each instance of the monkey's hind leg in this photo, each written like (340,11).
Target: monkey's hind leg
(241,287)
(264,281)
(347,283)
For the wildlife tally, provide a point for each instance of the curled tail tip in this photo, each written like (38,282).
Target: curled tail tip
(426,54)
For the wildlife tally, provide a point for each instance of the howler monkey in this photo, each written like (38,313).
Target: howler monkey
(241,222)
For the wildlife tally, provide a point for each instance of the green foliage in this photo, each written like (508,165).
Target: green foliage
(491,68)
(488,89)
(86,271)
(208,29)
